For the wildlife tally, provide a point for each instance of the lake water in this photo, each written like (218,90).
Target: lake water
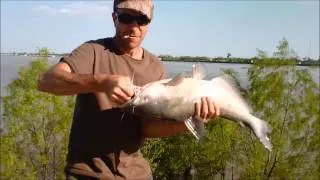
(10,66)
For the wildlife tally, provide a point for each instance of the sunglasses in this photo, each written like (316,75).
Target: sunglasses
(126,18)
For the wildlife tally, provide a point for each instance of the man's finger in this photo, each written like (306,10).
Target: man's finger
(204,108)
(116,99)
(127,86)
(128,91)
(121,95)
(217,108)
(197,109)
(211,108)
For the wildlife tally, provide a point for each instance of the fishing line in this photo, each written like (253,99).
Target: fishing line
(132,87)
(122,116)
(132,78)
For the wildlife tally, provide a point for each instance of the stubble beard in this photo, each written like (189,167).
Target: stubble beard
(125,44)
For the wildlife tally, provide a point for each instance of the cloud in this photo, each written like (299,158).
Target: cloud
(76,9)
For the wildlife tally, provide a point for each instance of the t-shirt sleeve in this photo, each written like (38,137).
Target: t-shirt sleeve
(81,59)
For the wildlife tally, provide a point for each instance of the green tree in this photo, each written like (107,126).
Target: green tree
(261,54)
(283,50)
(282,94)
(34,142)
(44,51)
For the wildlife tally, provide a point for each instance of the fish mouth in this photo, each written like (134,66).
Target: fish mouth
(129,105)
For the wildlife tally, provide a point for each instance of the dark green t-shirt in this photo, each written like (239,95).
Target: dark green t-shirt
(103,138)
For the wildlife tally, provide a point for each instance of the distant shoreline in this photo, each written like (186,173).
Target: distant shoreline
(249,63)
(51,55)
(243,61)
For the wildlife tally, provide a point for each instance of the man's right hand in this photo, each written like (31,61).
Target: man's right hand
(118,88)
(61,80)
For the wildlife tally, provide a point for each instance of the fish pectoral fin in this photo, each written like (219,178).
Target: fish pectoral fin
(196,127)
(242,124)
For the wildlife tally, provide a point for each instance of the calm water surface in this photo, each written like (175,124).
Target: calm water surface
(10,66)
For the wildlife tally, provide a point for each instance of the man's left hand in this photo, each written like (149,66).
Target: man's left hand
(207,109)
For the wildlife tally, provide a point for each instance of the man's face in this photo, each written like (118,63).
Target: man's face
(129,33)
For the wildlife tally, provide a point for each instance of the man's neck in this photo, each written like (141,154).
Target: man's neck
(135,53)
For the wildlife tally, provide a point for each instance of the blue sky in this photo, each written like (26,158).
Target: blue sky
(193,28)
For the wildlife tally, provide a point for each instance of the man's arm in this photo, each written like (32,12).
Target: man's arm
(60,80)
(153,128)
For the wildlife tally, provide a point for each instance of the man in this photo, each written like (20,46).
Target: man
(104,142)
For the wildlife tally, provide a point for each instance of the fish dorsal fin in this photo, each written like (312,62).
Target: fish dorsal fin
(198,71)
(176,80)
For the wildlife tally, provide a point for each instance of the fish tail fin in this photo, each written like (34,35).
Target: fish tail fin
(262,130)
(196,127)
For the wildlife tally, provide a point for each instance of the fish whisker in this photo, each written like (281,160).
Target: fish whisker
(122,116)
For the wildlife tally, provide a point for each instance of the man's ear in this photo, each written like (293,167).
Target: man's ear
(114,16)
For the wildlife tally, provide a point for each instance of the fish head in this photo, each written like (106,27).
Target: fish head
(146,98)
